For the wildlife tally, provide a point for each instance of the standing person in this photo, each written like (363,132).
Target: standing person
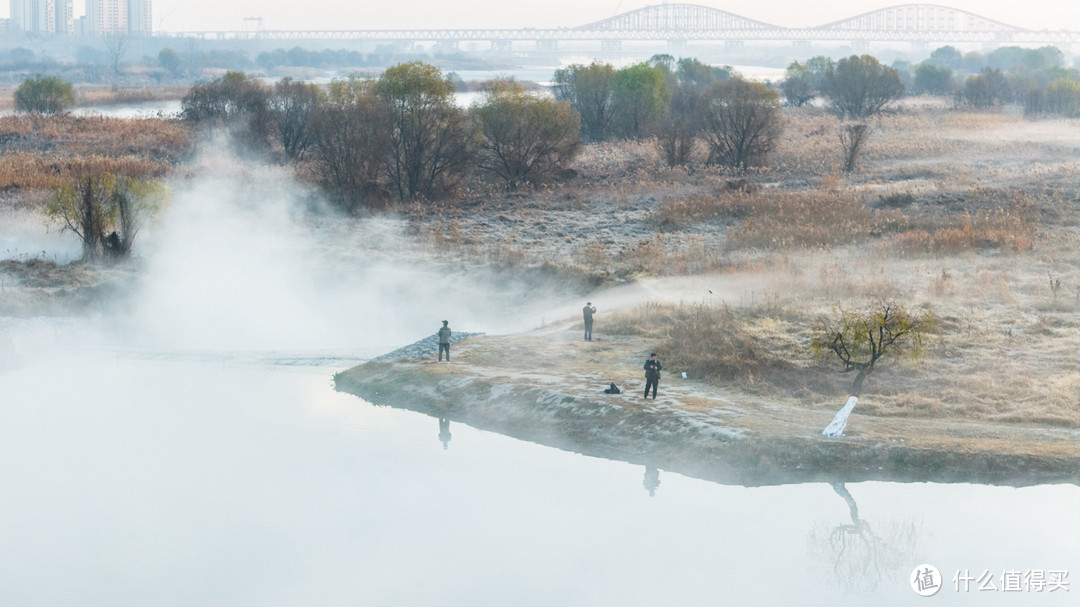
(588,311)
(652,374)
(444,341)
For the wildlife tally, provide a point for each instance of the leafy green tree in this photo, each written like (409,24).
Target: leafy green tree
(351,141)
(590,91)
(741,122)
(860,86)
(932,79)
(524,137)
(44,95)
(640,97)
(431,143)
(291,106)
(235,101)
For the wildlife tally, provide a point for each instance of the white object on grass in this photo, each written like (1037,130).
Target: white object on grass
(684,374)
(836,427)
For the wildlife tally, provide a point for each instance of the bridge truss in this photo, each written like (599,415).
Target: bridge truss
(915,23)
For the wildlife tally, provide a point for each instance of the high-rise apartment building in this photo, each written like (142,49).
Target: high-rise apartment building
(43,16)
(139,14)
(106,16)
(118,17)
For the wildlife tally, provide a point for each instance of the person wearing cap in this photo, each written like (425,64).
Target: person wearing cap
(652,374)
(444,341)
(588,311)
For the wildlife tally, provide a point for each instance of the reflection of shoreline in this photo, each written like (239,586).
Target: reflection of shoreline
(677,443)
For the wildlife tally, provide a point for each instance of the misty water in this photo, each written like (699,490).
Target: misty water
(184,446)
(156,479)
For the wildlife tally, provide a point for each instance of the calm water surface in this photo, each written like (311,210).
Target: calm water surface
(144,479)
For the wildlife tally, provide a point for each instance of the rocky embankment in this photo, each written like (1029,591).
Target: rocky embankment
(546,387)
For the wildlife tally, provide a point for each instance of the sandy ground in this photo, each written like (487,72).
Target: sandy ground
(551,377)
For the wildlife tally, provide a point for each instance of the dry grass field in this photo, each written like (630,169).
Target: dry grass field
(974,216)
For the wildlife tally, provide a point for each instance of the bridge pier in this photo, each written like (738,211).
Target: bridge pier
(547,45)
(801,44)
(860,45)
(733,45)
(502,45)
(676,48)
(611,46)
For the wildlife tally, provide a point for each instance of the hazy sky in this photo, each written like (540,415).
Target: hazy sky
(179,15)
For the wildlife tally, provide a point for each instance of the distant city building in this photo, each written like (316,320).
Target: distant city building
(118,17)
(139,13)
(106,16)
(65,16)
(42,16)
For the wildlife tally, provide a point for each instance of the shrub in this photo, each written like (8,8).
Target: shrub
(44,95)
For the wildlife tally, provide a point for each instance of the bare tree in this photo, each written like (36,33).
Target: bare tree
(860,339)
(351,139)
(116,48)
(741,122)
(677,132)
(590,91)
(292,105)
(431,143)
(524,137)
(860,86)
(853,138)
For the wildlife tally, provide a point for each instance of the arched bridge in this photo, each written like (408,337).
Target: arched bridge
(916,23)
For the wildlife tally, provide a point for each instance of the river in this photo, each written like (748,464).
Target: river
(136,477)
(185,446)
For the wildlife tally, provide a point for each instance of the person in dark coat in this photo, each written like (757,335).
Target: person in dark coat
(652,374)
(588,312)
(444,341)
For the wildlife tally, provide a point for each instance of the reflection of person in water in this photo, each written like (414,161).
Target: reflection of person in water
(652,479)
(444,432)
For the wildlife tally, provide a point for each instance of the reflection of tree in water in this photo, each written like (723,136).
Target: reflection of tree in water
(858,556)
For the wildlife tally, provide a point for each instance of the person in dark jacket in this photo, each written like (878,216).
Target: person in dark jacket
(444,341)
(588,312)
(652,374)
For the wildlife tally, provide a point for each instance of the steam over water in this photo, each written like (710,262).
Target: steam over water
(187,448)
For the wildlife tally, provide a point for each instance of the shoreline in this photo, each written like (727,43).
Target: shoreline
(716,445)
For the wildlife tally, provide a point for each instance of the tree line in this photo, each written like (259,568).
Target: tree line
(401,136)
(1035,79)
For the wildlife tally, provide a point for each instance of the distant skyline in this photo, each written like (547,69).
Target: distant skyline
(187,15)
